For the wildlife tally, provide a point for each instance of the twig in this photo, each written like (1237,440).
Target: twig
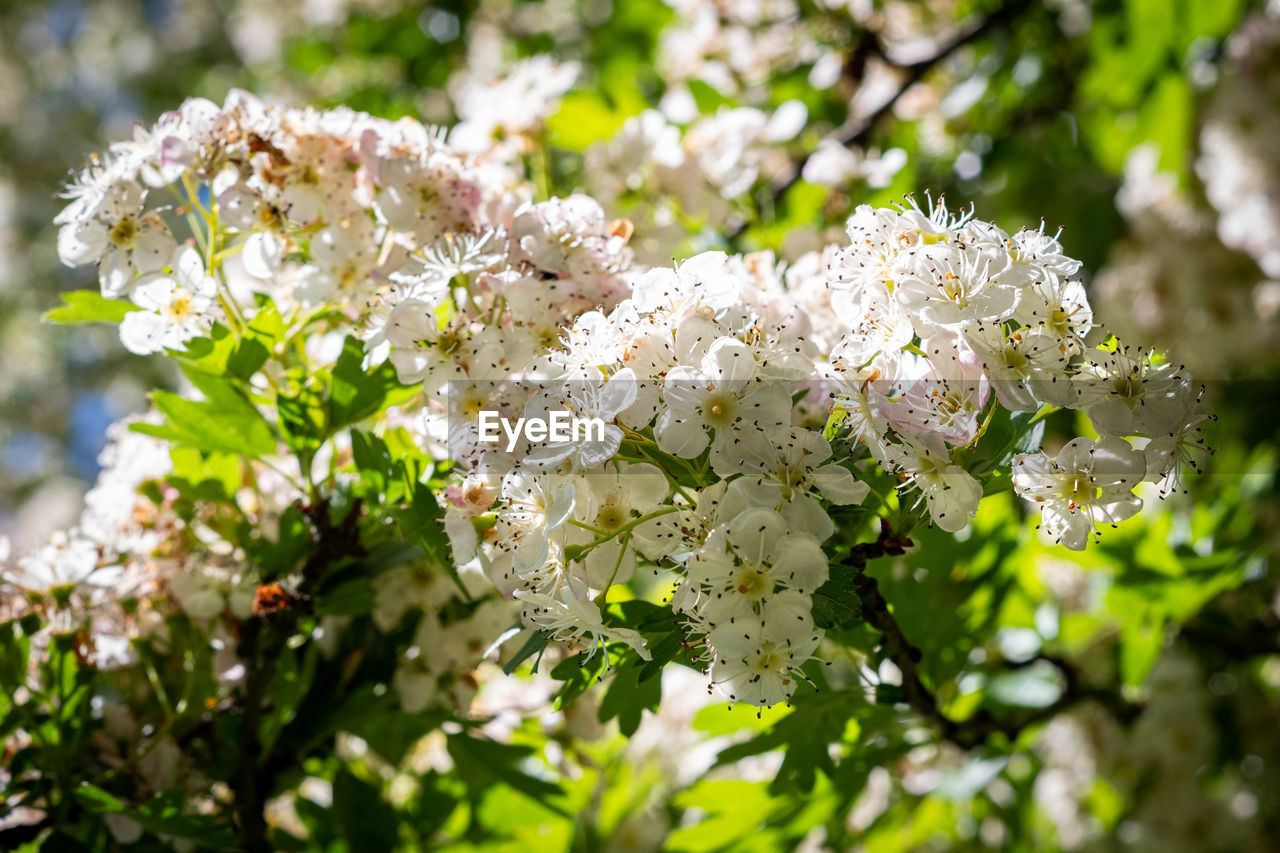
(858,133)
(1250,640)
(251,793)
(262,639)
(977,729)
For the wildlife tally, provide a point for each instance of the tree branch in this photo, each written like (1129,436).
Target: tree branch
(977,729)
(262,639)
(859,132)
(1250,640)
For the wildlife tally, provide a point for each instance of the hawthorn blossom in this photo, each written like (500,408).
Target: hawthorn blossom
(1124,393)
(723,382)
(789,469)
(537,505)
(951,492)
(109,225)
(759,663)
(1088,483)
(609,501)
(755,568)
(716,397)
(67,561)
(177,305)
(571,616)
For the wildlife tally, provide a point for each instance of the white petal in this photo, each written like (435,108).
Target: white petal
(839,486)
(805,515)
(154,249)
(115,273)
(142,332)
(619,392)
(81,242)
(1115,462)
(730,361)
(679,435)
(755,533)
(801,563)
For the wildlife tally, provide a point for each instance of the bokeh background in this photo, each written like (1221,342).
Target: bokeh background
(1147,129)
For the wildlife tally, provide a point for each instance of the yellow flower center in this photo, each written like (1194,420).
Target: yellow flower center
(1080,492)
(721,410)
(752,581)
(124,233)
(611,517)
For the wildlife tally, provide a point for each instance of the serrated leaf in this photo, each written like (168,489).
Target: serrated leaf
(577,673)
(226,423)
(88,306)
(836,602)
(357,394)
(207,354)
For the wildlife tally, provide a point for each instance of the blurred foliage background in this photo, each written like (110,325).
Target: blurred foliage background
(1146,129)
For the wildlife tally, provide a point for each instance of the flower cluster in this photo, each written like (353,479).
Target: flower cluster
(750,411)
(311,208)
(717,378)
(340,222)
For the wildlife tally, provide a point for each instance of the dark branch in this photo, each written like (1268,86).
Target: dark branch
(914,72)
(1250,640)
(262,639)
(977,729)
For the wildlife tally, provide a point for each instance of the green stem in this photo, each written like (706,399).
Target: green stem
(604,593)
(598,531)
(626,528)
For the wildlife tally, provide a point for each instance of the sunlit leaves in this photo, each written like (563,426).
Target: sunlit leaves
(88,306)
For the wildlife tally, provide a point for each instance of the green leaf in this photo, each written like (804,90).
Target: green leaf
(818,719)
(352,597)
(289,685)
(88,306)
(628,697)
(372,460)
(302,416)
(483,762)
(578,674)
(202,476)
(535,645)
(357,394)
(662,632)
(209,354)
(835,603)
(224,422)
(706,96)
(162,814)
(422,521)
(368,822)
(584,118)
(730,810)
